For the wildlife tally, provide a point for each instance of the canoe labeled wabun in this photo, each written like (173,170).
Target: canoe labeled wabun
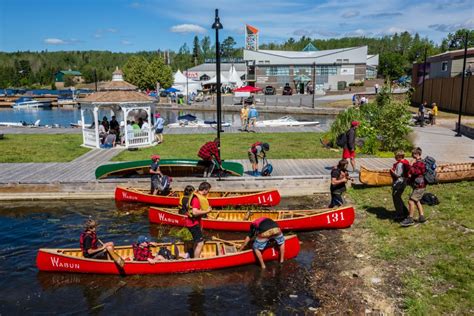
(215,255)
(169,167)
(216,198)
(240,220)
(452,172)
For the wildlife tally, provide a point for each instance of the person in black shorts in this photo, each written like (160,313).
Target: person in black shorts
(199,206)
(339,178)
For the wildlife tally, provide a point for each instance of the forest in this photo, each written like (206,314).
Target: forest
(36,69)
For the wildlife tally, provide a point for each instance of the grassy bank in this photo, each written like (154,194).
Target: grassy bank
(235,146)
(41,148)
(434,260)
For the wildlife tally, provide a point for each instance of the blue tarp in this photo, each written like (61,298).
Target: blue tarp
(172,90)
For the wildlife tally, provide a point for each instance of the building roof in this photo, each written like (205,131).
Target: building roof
(117,97)
(454,54)
(305,54)
(117,85)
(212,67)
(71,72)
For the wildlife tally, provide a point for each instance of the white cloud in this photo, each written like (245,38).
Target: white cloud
(187,28)
(111,30)
(350,14)
(125,42)
(54,41)
(453,27)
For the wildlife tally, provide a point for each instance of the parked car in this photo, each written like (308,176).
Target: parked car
(287,90)
(269,90)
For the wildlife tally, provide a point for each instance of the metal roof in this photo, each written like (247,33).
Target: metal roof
(224,67)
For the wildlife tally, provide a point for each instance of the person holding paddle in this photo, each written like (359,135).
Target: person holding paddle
(89,240)
(262,230)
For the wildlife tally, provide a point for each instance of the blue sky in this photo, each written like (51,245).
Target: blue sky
(133,25)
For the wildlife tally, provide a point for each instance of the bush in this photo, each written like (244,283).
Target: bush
(357,84)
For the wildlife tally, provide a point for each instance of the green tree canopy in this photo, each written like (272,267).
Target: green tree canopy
(135,71)
(157,71)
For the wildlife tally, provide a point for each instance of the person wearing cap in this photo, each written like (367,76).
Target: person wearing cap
(158,127)
(155,174)
(257,150)
(253,114)
(142,250)
(89,242)
(348,152)
(209,153)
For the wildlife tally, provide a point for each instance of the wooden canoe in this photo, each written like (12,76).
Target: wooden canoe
(445,173)
(170,167)
(215,255)
(240,220)
(216,198)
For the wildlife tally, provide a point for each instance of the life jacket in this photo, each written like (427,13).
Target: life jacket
(253,148)
(203,202)
(406,167)
(185,204)
(83,237)
(141,254)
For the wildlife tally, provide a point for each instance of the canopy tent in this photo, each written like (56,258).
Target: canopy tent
(192,85)
(172,89)
(179,78)
(213,80)
(247,89)
(234,77)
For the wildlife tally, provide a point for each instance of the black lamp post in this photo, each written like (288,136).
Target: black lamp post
(314,83)
(218,26)
(463,74)
(424,78)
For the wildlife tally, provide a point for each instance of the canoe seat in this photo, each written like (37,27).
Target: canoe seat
(230,249)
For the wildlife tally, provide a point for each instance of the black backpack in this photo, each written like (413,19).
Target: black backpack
(164,184)
(341,140)
(430,170)
(429,199)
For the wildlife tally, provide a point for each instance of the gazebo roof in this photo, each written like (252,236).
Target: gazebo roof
(117,85)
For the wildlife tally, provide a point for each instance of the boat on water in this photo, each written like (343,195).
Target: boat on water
(189,120)
(20,124)
(240,220)
(452,172)
(285,121)
(216,198)
(30,103)
(215,255)
(170,167)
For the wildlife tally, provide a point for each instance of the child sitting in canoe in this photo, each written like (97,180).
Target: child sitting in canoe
(142,251)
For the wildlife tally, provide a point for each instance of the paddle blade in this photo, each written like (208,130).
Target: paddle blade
(116,258)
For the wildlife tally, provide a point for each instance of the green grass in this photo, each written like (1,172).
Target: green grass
(436,257)
(235,146)
(41,148)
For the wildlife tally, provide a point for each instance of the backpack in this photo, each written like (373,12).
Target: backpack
(430,170)
(341,140)
(267,170)
(429,199)
(165,184)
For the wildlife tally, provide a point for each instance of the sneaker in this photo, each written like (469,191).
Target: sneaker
(407,222)
(421,219)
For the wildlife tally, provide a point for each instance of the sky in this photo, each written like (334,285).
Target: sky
(136,25)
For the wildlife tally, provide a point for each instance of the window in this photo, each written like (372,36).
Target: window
(303,70)
(444,66)
(277,71)
(326,70)
(345,60)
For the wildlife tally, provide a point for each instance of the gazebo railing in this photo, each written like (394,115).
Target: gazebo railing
(138,138)
(89,137)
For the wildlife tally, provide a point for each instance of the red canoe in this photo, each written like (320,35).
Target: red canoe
(215,255)
(236,220)
(216,198)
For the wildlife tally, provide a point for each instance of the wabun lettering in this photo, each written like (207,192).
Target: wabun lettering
(128,197)
(168,220)
(56,263)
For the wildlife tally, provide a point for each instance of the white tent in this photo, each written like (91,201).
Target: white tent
(234,77)
(213,80)
(179,78)
(193,86)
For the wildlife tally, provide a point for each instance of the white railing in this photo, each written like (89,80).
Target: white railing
(138,138)
(89,137)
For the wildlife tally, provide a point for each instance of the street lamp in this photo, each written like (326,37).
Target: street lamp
(424,78)
(314,83)
(218,26)
(463,74)
(187,87)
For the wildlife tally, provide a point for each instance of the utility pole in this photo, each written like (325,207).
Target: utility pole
(424,78)
(187,87)
(95,79)
(218,26)
(463,74)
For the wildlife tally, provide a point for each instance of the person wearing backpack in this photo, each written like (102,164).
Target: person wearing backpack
(155,174)
(339,178)
(399,173)
(257,150)
(416,178)
(348,152)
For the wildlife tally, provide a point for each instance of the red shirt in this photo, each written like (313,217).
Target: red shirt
(208,150)
(195,220)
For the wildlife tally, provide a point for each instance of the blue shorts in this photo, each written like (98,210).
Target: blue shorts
(260,244)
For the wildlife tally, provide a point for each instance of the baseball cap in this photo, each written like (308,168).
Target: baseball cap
(142,239)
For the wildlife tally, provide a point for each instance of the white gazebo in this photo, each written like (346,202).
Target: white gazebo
(120,99)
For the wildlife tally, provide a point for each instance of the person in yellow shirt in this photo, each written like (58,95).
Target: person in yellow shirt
(434,111)
(244,117)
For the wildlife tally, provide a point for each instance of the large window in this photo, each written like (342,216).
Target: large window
(326,70)
(277,71)
(303,70)
(444,66)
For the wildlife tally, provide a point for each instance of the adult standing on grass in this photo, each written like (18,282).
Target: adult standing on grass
(348,152)
(209,153)
(155,174)
(158,127)
(399,173)
(199,207)
(417,181)
(339,178)
(262,230)
(253,115)
(257,150)
(244,114)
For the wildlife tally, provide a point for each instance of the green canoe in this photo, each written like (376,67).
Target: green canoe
(170,167)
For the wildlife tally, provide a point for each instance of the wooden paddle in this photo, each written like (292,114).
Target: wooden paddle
(225,241)
(115,256)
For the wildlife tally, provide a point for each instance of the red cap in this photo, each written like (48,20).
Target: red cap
(355,123)
(154,157)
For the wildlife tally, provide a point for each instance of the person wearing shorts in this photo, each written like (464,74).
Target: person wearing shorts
(348,152)
(262,231)
(199,206)
(155,174)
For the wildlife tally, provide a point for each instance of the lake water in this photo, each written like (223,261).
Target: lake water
(25,227)
(64,117)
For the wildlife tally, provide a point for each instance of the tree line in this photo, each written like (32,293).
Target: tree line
(145,68)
